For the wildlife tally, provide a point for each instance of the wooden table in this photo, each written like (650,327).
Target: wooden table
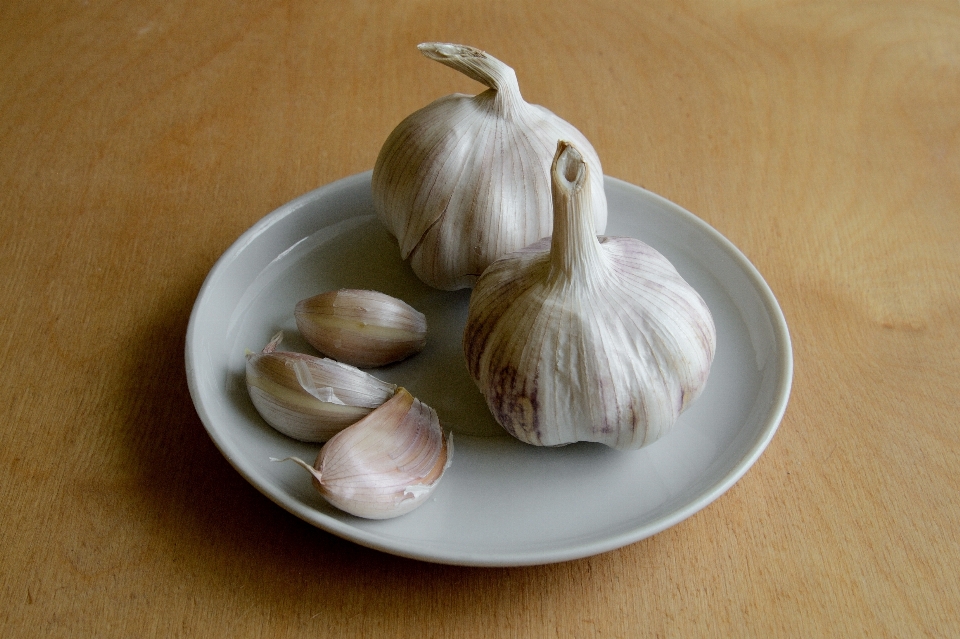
(139,140)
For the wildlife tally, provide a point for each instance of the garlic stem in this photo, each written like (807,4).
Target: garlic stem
(575,253)
(479,66)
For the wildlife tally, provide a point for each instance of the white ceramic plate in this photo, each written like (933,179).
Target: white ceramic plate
(501,503)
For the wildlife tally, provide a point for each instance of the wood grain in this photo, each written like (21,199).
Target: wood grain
(822,138)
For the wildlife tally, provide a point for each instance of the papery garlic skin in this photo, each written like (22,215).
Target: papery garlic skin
(310,398)
(387,464)
(361,327)
(465,180)
(586,338)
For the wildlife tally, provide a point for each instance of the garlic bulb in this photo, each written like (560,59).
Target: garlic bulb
(362,328)
(310,398)
(584,338)
(465,179)
(386,464)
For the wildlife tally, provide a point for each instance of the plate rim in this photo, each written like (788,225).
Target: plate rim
(370,539)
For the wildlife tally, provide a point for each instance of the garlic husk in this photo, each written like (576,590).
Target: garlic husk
(310,398)
(361,327)
(465,180)
(586,338)
(386,464)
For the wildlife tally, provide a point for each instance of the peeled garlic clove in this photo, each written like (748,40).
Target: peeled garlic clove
(581,338)
(310,398)
(386,464)
(465,180)
(362,328)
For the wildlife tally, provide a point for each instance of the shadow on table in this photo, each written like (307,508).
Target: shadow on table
(220,535)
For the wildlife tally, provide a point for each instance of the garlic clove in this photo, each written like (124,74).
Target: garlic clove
(586,338)
(310,398)
(465,180)
(360,327)
(386,464)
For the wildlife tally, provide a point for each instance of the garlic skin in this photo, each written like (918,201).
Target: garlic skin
(361,328)
(465,180)
(386,464)
(310,398)
(586,338)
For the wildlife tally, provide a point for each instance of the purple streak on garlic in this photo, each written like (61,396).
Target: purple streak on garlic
(465,180)
(586,338)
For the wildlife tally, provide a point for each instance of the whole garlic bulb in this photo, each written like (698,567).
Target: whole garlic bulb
(310,398)
(386,464)
(465,180)
(586,338)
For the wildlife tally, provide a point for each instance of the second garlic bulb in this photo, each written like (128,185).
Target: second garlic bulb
(464,180)
(586,338)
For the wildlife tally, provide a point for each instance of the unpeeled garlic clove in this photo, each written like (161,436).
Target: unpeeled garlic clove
(386,464)
(361,327)
(310,398)
(465,180)
(580,338)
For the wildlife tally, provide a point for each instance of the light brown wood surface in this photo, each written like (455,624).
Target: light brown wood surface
(139,140)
